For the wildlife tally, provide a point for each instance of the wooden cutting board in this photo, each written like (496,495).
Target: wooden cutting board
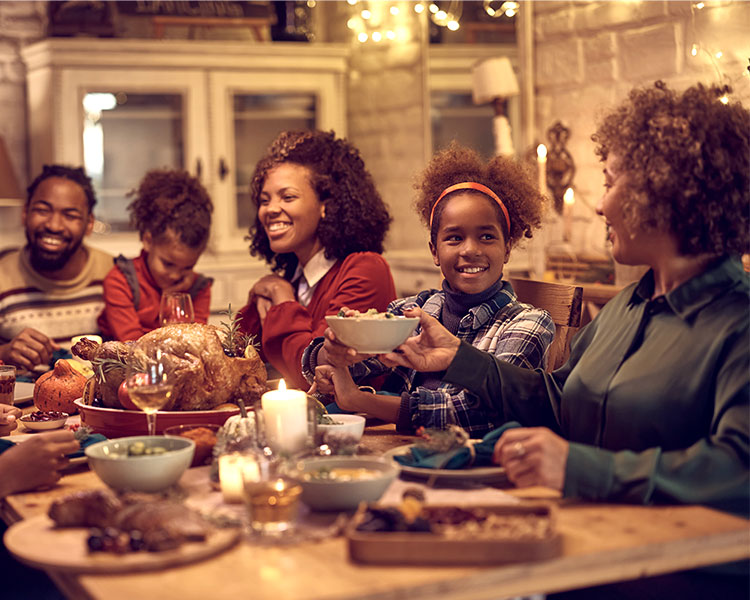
(38,543)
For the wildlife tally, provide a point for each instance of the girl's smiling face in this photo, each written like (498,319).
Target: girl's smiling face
(170,261)
(470,247)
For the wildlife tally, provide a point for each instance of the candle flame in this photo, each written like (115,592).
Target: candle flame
(569,196)
(282,384)
(541,152)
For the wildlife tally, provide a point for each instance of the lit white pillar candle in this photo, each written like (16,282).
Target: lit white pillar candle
(541,157)
(569,200)
(285,417)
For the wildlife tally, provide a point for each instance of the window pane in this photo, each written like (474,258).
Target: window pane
(124,136)
(258,119)
(456,117)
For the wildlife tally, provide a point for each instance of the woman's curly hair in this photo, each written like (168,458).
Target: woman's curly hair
(172,199)
(511,181)
(356,218)
(687,157)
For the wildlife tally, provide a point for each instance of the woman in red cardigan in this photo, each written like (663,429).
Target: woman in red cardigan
(320,225)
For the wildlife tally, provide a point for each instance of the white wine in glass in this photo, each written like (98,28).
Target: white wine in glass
(176,307)
(149,385)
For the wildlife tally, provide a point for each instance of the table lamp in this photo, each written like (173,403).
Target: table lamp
(494,81)
(10,191)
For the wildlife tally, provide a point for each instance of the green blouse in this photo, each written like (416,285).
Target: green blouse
(655,398)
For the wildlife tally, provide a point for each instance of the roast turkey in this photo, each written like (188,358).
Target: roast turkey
(204,376)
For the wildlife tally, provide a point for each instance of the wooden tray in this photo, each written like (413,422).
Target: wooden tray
(406,548)
(38,543)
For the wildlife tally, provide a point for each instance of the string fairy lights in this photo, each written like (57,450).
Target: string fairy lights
(379,21)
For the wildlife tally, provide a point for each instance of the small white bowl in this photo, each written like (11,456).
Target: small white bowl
(43,425)
(372,336)
(145,473)
(334,494)
(344,426)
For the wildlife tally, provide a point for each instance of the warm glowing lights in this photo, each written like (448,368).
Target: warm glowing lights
(453,25)
(699,5)
(510,12)
(569,196)
(394,10)
(391,35)
(352,23)
(541,152)
(419,8)
(351,2)
(724,99)
(441,15)
(311,3)
(719,54)
(694,50)
(376,36)
(366,14)
(362,37)
(433,8)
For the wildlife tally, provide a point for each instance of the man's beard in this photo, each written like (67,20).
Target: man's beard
(42,260)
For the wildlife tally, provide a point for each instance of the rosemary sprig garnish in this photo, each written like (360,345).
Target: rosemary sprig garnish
(233,340)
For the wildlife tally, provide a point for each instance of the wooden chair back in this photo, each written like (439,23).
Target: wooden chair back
(563,302)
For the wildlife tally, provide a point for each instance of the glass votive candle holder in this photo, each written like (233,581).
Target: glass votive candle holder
(272,504)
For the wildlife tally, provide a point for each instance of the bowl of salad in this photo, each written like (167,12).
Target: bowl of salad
(371,332)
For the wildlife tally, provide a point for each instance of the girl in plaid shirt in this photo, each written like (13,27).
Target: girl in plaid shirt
(476,213)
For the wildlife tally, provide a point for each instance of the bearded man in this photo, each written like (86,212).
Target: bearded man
(51,289)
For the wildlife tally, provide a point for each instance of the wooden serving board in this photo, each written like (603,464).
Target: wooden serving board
(410,548)
(38,543)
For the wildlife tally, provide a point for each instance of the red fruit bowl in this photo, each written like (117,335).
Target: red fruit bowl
(116,422)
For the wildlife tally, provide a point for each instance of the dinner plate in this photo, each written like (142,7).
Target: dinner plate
(472,473)
(23,393)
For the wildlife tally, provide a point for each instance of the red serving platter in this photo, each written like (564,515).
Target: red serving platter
(116,422)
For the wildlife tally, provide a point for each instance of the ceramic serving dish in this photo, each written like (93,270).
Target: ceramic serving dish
(342,493)
(368,335)
(46,425)
(120,470)
(116,422)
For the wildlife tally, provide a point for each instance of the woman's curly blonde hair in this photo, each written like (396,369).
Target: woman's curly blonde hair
(687,157)
(356,218)
(174,199)
(511,181)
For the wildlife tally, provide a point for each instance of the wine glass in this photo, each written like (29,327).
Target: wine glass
(149,382)
(176,307)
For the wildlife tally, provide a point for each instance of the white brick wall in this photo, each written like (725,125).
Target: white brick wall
(590,54)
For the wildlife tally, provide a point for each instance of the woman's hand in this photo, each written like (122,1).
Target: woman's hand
(36,462)
(432,350)
(338,381)
(274,288)
(532,456)
(8,418)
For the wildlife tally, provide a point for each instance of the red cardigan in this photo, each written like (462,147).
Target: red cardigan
(360,281)
(121,321)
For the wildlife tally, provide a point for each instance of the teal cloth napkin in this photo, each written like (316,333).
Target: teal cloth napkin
(457,458)
(92,439)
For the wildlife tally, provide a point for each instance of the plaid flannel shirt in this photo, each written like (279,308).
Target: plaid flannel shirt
(517,333)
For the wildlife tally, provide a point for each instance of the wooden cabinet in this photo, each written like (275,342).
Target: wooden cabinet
(121,107)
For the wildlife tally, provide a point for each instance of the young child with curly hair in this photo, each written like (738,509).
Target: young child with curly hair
(320,225)
(476,213)
(172,212)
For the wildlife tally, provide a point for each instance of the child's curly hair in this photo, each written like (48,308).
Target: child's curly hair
(356,218)
(511,181)
(172,199)
(687,157)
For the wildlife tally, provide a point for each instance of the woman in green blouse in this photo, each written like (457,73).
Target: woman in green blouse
(654,402)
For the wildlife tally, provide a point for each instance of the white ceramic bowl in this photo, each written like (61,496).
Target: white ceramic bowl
(345,426)
(148,473)
(372,336)
(43,425)
(334,494)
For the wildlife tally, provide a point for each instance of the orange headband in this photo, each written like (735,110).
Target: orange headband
(471,185)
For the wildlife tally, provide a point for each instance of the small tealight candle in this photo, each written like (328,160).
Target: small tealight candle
(569,200)
(285,417)
(234,469)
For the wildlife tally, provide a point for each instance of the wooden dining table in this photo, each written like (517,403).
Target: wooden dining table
(601,543)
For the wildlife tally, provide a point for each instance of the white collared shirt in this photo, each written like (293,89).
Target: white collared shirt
(308,277)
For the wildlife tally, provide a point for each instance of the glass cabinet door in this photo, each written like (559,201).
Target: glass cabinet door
(248,115)
(127,124)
